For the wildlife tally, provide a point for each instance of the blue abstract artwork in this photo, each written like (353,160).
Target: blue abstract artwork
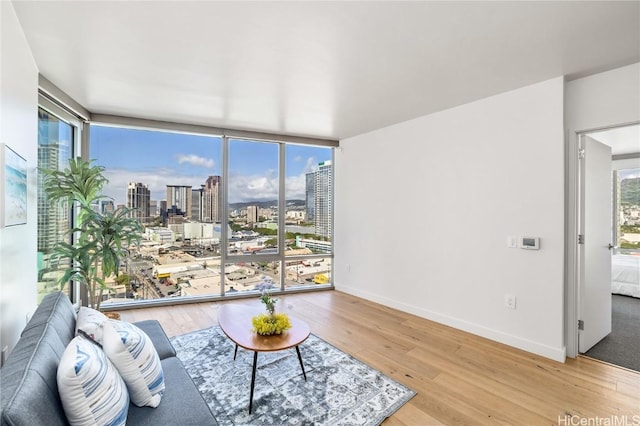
(14,188)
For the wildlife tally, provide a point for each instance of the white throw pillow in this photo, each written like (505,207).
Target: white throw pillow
(89,323)
(91,390)
(133,354)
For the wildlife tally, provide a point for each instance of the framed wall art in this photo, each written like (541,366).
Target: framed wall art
(13,187)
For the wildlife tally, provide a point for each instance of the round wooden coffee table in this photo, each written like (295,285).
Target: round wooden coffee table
(235,322)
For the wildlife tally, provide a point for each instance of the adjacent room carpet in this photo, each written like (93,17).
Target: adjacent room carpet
(340,390)
(622,346)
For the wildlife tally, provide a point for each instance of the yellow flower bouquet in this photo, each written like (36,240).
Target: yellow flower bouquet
(268,324)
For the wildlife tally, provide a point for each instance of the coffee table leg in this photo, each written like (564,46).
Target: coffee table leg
(235,353)
(253,379)
(300,359)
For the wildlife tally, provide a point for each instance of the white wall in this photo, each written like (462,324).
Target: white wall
(602,100)
(424,208)
(18,129)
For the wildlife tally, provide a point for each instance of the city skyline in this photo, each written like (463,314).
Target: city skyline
(157,159)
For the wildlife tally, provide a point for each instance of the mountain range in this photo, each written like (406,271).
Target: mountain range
(266,204)
(630,191)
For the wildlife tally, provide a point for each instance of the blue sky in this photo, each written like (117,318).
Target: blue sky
(158,159)
(629,173)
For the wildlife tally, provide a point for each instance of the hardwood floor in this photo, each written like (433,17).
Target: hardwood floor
(459,378)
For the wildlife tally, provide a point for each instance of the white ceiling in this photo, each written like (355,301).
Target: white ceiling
(622,140)
(323,69)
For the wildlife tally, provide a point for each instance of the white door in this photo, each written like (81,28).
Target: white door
(595,286)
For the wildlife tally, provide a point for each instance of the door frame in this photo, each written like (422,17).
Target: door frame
(573,222)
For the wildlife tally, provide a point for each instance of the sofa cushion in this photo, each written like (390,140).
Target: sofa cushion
(133,354)
(91,390)
(156,333)
(181,403)
(29,390)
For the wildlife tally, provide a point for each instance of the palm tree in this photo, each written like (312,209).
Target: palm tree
(101,239)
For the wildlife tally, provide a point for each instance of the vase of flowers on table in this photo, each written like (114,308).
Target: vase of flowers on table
(269,323)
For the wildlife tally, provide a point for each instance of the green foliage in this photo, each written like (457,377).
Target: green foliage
(266,231)
(123,279)
(630,229)
(102,240)
(630,191)
(630,245)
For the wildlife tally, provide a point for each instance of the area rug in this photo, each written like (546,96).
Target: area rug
(339,390)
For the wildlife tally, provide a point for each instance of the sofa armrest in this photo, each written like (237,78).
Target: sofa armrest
(158,337)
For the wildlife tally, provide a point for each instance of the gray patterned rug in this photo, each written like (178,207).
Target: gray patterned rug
(340,390)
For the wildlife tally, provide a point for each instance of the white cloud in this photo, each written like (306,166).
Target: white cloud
(157,181)
(195,160)
(253,188)
(241,188)
(312,165)
(296,187)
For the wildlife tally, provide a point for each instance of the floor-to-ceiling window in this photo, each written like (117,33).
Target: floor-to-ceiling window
(308,216)
(214,209)
(58,136)
(172,182)
(627,218)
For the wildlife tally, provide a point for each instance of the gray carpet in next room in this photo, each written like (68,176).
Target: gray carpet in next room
(622,346)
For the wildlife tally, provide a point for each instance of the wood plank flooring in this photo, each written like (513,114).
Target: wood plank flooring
(459,378)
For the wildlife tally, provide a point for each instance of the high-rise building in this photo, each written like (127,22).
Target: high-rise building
(310,200)
(252,214)
(318,192)
(212,200)
(138,199)
(53,154)
(197,204)
(162,208)
(107,206)
(179,199)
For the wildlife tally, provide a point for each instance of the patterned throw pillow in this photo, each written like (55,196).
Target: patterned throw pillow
(89,324)
(135,357)
(91,390)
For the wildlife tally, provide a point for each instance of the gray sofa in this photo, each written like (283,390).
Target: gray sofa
(28,387)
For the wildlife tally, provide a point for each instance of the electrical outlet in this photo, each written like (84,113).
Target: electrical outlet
(348,267)
(510,301)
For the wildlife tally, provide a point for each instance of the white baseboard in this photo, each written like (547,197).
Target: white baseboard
(556,354)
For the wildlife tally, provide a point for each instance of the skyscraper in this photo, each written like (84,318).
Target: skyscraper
(310,200)
(323,214)
(319,199)
(138,199)
(212,200)
(252,214)
(197,204)
(53,154)
(179,198)
(107,206)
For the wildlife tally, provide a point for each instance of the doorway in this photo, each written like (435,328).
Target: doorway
(609,273)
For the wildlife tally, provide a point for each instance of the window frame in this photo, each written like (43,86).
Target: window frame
(78,142)
(226,135)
